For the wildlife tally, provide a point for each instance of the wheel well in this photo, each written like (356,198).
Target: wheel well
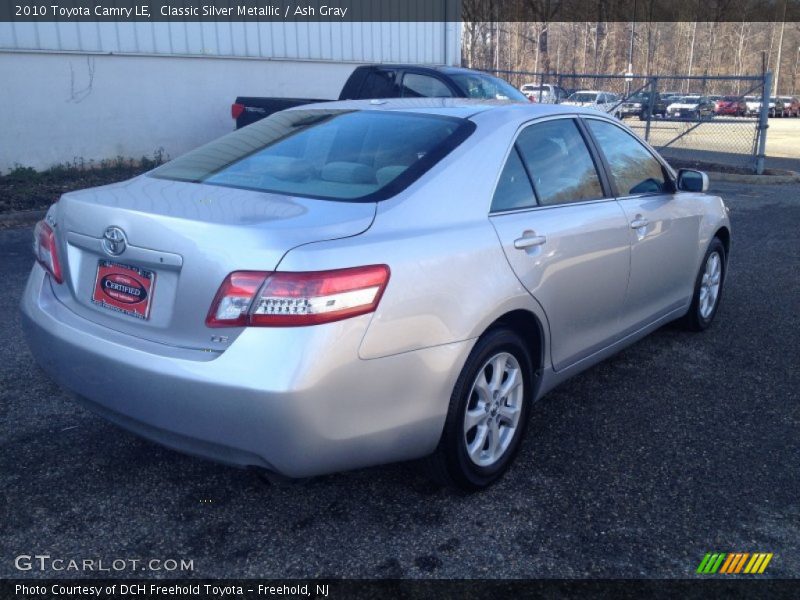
(527,325)
(725,237)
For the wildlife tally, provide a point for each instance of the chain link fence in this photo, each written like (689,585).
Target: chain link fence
(691,120)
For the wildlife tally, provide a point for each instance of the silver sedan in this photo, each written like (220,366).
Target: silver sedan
(349,284)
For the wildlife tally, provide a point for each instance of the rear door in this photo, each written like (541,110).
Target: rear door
(663,227)
(564,238)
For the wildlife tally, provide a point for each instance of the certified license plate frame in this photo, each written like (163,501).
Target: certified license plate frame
(117,286)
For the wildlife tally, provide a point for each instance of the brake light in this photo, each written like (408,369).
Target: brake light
(236,110)
(261,299)
(531,98)
(44,248)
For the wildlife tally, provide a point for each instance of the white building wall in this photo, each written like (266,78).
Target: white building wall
(95,91)
(428,43)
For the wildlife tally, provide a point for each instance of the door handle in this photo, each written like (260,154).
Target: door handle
(639,223)
(529,241)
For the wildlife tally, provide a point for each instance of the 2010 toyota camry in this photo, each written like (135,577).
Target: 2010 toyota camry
(354,283)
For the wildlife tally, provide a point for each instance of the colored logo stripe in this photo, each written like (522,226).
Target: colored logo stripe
(710,563)
(734,562)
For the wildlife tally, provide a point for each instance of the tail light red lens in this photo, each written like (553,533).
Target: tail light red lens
(531,98)
(236,110)
(44,248)
(260,299)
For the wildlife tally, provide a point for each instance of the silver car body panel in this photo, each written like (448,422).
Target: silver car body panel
(374,388)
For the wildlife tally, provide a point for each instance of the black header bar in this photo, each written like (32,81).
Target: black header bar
(401,10)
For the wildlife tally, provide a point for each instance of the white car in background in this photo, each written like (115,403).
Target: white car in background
(544,93)
(603,101)
(753,105)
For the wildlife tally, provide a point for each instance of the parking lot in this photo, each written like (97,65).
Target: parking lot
(683,444)
(731,136)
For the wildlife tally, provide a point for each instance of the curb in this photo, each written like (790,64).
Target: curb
(756,179)
(22,216)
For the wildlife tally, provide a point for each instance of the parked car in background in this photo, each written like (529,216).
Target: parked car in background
(691,107)
(350,284)
(792,105)
(753,104)
(390,81)
(777,107)
(599,100)
(734,106)
(544,93)
(637,105)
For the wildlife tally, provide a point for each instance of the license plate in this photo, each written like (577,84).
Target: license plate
(124,288)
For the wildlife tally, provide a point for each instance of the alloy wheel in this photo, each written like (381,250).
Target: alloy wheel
(709,285)
(493,409)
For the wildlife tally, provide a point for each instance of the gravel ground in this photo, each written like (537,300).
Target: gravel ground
(680,445)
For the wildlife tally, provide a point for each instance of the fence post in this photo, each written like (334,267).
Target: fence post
(650,101)
(763,122)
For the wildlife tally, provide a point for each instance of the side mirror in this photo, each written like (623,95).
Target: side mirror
(690,180)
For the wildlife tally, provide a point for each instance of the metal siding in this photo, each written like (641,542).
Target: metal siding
(374,41)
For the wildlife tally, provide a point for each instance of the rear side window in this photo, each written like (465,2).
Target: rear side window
(424,86)
(380,84)
(328,154)
(634,169)
(514,187)
(560,165)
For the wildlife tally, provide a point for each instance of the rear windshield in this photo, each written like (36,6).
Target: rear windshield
(328,154)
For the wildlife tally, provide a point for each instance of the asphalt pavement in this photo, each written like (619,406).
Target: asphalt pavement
(682,444)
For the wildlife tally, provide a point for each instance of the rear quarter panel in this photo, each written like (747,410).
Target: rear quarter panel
(449,276)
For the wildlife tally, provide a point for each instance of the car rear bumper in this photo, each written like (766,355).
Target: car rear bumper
(295,401)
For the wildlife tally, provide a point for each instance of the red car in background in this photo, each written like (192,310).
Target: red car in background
(792,106)
(731,105)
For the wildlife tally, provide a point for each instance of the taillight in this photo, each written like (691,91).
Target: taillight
(44,247)
(236,110)
(261,299)
(531,98)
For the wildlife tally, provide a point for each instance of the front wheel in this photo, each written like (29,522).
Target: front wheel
(487,415)
(707,288)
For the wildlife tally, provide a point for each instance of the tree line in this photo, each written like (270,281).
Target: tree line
(682,48)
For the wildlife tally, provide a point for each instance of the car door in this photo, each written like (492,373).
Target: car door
(663,227)
(565,239)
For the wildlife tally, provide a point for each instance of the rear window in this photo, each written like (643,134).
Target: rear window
(327,154)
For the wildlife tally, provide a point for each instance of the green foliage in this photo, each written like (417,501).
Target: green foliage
(24,188)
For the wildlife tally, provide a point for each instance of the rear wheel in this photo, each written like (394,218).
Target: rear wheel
(707,288)
(488,413)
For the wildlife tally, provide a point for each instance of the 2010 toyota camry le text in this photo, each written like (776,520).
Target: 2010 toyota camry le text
(353,283)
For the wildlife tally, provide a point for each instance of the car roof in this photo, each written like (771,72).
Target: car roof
(463,108)
(441,68)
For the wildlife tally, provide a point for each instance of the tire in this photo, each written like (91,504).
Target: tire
(452,464)
(701,315)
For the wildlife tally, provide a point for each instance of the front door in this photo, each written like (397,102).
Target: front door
(663,226)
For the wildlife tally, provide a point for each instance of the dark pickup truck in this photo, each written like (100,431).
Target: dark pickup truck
(390,81)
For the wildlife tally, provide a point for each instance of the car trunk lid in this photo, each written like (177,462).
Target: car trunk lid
(146,257)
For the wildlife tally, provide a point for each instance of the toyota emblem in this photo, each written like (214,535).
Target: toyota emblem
(114,241)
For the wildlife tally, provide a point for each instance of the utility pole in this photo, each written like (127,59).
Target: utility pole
(780,48)
(630,53)
(794,75)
